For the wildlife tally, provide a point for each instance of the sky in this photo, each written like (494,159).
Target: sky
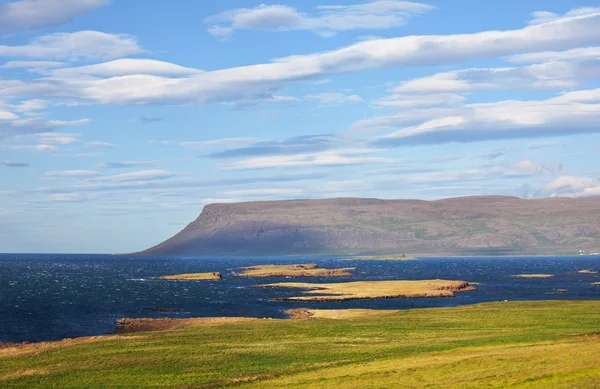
(121,119)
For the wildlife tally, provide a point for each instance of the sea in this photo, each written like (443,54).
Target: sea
(53,296)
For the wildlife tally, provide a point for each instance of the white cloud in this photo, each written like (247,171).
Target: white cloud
(125,164)
(528,167)
(259,82)
(399,100)
(25,15)
(160,142)
(69,197)
(143,175)
(570,113)
(35,126)
(326,22)
(582,53)
(334,98)
(33,66)
(75,45)
(539,17)
(571,186)
(100,145)
(30,106)
(7,115)
(263,192)
(549,75)
(33,148)
(71,174)
(217,143)
(127,66)
(344,157)
(13,164)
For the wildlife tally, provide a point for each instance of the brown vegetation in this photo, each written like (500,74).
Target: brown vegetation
(373,289)
(295,270)
(214,276)
(126,325)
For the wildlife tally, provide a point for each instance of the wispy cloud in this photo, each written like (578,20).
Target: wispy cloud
(71,174)
(294,145)
(33,148)
(100,145)
(335,98)
(326,21)
(149,120)
(144,175)
(69,197)
(325,158)
(218,143)
(570,113)
(13,164)
(23,15)
(75,45)
(125,164)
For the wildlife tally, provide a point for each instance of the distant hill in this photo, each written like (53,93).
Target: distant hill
(464,225)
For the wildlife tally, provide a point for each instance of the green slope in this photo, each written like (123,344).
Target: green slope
(544,344)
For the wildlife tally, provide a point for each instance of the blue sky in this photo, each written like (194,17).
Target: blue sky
(120,120)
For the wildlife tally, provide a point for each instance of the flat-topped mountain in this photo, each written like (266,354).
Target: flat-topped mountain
(464,225)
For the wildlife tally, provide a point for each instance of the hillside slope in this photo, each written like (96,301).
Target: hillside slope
(477,225)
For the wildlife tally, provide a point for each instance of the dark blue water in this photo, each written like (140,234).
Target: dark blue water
(46,297)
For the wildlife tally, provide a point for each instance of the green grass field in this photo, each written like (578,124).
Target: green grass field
(544,344)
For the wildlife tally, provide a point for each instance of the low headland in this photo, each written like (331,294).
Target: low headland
(533,275)
(390,257)
(294,270)
(213,276)
(360,290)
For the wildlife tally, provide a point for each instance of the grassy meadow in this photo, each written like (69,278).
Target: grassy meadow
(542,344)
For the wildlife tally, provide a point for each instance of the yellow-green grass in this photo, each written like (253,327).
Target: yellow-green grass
(338,314)
(360,290)
(294,270)
(541,344)
(390,257)
(192,277)
(595,283)
(533,275)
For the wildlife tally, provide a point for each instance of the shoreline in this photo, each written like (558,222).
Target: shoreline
(132,326)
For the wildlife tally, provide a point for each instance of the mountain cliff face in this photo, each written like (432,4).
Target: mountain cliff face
(476,225)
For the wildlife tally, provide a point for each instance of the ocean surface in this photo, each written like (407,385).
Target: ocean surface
(48,297)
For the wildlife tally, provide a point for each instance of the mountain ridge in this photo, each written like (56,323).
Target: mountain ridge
(460,225)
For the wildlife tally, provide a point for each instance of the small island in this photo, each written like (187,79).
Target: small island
(389,257)
(595,283)
(587,271)
(360,290)
(214,276)
(533,275)
(294,270)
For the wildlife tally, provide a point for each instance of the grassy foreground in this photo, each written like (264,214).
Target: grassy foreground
(544,344)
